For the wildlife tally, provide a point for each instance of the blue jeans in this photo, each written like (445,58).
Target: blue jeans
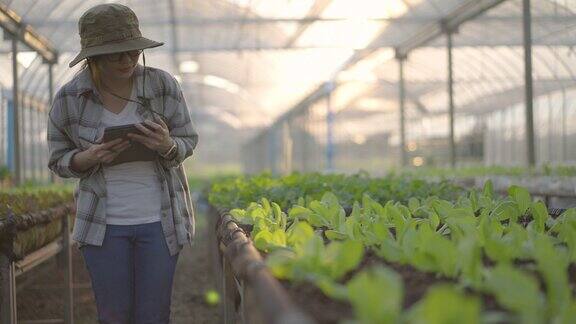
(132,274)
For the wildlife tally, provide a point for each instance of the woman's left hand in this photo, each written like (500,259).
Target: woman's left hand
(157,136)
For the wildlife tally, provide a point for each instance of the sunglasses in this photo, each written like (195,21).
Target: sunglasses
(117,57)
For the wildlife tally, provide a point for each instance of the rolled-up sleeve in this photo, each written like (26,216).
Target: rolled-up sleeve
(182,129)
(61,148)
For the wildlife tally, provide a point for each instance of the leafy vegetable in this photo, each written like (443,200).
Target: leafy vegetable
(518,292)
(376,295)
(444,304)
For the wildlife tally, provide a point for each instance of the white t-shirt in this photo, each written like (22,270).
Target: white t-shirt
(134,192)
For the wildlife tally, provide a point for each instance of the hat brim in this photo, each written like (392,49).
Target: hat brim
(127,45)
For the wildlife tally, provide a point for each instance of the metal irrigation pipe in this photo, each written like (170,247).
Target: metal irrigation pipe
(253,278)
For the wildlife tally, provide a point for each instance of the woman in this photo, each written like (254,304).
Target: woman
(132,218)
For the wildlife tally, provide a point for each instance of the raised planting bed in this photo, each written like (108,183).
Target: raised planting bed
(476,258)
(35,225)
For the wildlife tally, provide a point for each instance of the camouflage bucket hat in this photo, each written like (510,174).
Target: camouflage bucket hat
(110,28)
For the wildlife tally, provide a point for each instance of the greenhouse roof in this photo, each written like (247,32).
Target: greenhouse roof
(243,63)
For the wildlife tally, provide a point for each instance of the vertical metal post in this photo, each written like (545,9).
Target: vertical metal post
(15,112)
(305,137)
(8,314)
(24,136)
(7,291)
(50,83)
(10,134)
(34,142)
(68,282)
(271,150)
(3,134)
(241,286)
(224,292)
(284,155)
(174,36)
(564,128)
(53,178)
(329,124)
(402,95)
(37,145)
(550,131)
(451,98)
(528,82)
(228,293)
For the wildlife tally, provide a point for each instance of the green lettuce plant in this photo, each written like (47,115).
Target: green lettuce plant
(376,295)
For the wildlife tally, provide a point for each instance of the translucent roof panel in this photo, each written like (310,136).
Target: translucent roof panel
(244,63)
(213,35)
(488,68)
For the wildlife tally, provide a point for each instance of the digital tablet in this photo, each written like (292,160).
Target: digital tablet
(114,132)
(136,152)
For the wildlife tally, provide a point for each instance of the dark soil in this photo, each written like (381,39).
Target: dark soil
(326,310)
(416,283)
(312,300)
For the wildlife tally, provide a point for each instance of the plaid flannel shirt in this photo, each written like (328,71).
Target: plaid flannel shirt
(74,124)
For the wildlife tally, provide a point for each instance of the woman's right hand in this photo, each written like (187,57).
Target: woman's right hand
(99,153)
(106,152)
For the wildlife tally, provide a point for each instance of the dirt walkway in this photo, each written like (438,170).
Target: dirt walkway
(40,292)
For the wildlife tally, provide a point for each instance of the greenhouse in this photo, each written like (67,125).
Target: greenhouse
(288,161)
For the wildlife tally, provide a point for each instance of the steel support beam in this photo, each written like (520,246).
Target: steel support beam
(402,109)
(451,98)
(528,83)
(8,309)
(16,113)
(318,7)
(256,47)
(53,177)
(32,131)
(66,265)
(329,86)
(232,22)
(465,12)
(174,36)
(12,24)
(454,19)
